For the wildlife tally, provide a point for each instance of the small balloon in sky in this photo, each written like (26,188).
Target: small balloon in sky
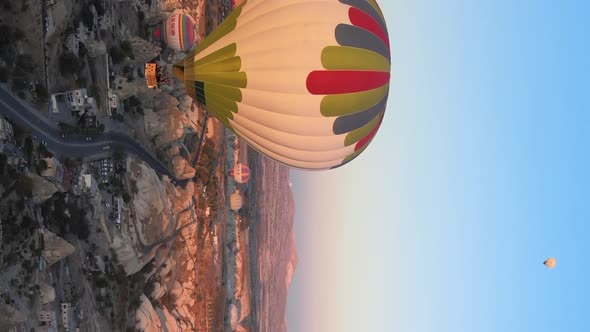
(550,262)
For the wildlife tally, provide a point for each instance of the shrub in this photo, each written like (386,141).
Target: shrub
(69,63)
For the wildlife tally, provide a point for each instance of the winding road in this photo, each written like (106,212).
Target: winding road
(75,145)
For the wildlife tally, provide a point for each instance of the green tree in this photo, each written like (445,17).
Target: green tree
(69,63)
(126,47)
(42,92)
(4,74)
(42,165)
(117,55)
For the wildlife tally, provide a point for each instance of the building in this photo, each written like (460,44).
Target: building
(67,317)
(6,131)
(88,183)
(47,316)
(118,209)
(79,101)
(113,100)
(54,171)
(151,75)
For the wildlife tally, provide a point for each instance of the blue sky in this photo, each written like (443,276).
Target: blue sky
(479,172)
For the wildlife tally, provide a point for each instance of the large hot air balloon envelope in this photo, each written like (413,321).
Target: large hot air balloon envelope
(177,31)
(550,262)
(304,82)
(240,173)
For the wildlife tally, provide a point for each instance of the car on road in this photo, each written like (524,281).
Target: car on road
(88,138)
(108,147)
(44,143)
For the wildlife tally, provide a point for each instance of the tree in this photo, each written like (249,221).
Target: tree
(42,92)
(25,62)
(43,152)
(126,47)
(117,55)
(126,198)
(42,165)
(69,63)
(87,17)
(19,84)
(24,186)
(4,75)
(99,7)
(82,50)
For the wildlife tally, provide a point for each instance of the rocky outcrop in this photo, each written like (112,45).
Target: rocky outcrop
(151,205)
(164,101)
(56,248)
(292,264)
(170,5)
(95,48)
(46,293)
(126,255)
(182,169)
(146,317)
(166,126)
(42,189)
(143,50)
(9,314)
(137,87)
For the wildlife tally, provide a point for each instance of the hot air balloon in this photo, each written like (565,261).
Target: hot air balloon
(240,173)
(550,262)
(304,82)
(177,31)
(236,201)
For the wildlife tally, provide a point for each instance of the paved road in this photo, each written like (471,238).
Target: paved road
(73,146)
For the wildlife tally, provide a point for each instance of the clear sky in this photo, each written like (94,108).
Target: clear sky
(479,173)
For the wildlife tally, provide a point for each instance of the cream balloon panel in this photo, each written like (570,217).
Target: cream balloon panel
(289,26)
(283,104)
(272,144)
(294,141)
(293,124)
(253,10)
(302,162)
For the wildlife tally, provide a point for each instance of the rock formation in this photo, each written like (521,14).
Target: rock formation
(143,50)
(56,248)
(46,293)
(182,169)
(151,206)
(42,189)
(146,317)
(166,126)
(126,255)
(170,5)
(9,314)
(95,48)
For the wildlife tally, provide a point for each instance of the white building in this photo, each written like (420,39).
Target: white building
(47,316)
(88,183)
(113,100)
(67,317)
(80,101)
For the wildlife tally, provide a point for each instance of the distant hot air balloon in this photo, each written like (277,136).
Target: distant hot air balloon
(550,262)
(304,82)
(236,201)
(240,173)
(177,31)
